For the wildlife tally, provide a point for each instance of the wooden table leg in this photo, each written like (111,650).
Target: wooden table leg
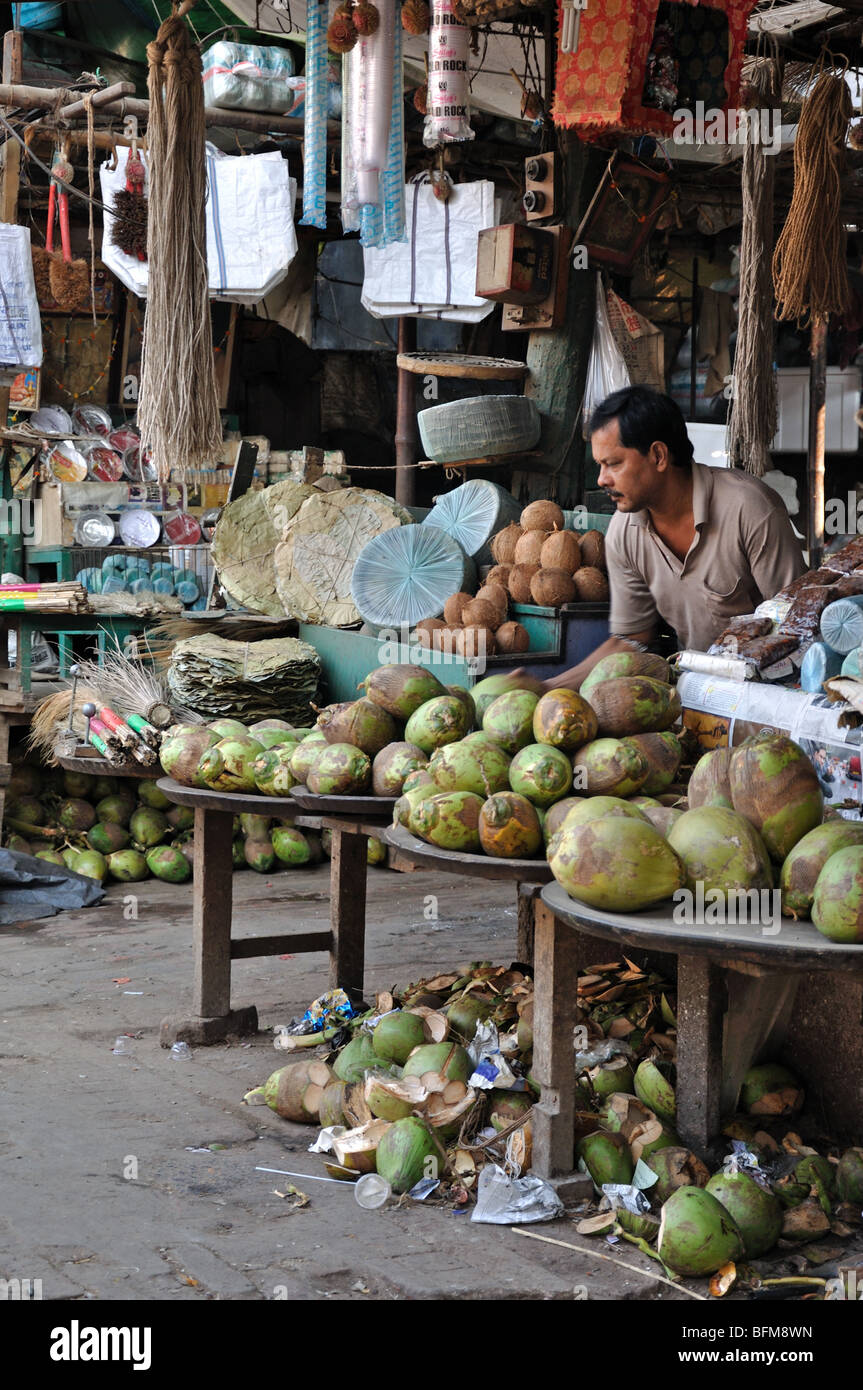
(212,1019)
(557,955)
(526,907)
(701,1004)
(348,869)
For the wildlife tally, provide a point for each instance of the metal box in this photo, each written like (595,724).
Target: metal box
(515,264)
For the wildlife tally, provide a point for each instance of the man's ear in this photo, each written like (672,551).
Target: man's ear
(660,456)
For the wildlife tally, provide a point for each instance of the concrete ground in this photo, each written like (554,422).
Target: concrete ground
(110,1186)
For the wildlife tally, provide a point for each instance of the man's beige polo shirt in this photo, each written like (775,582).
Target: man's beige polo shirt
(744,551)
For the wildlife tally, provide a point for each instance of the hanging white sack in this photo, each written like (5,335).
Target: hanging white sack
(433,272)
(20,325)
(606,371)
(251,239)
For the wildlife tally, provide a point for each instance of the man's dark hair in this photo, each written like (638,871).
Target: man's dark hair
(645,417)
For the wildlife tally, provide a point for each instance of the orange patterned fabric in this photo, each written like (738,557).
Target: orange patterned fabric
(598,88)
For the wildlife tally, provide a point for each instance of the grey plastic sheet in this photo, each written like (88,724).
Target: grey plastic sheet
(32,888)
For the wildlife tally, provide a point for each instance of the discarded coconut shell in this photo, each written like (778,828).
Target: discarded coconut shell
(675,1168)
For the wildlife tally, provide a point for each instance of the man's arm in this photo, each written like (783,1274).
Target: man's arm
(774,552)
(572,679)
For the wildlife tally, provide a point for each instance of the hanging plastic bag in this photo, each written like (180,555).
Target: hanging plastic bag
(373,134)
(606,370)
(448,118)
(20,325)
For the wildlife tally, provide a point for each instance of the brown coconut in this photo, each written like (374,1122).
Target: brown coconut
(498,574)
(475,641)
(426,628)
(528,551)
(444,638)
(593,549)
(504,543)
(519,582)
(497,595)
(552,587)
(454,606)
(561,552)
(512,637)
(542,516)
(481,613)
(591,585)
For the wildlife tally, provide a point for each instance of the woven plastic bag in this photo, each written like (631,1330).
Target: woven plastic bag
(20,324)
(246,77)
(606,370)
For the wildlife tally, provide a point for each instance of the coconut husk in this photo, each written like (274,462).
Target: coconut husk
(51,716)
(69,283)
(41,272)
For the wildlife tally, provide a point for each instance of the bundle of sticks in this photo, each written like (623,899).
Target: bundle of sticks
(67,597)
(118,739)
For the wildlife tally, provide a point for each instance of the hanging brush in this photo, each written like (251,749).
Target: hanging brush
(69,278)
(129,230)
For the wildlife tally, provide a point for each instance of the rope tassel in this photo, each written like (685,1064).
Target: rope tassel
(179,407)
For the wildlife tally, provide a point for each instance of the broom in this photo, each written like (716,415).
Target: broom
(179,408)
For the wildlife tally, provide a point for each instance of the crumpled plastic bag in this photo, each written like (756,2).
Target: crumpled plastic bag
(31,888)
(606,370)
(505,1201)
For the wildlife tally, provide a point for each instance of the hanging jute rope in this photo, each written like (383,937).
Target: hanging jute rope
(809,273)
(752,418)
(179,409)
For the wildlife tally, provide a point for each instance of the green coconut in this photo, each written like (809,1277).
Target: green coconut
(606,1157)
(290,846)
(28,809)
(634,705)
(279,726)
(253,826)
(557,814)
(774,785)
(107,838)
(654,1086)
(697,1235)
(813,1169)
(401,689)
(721,850)
(676,1167)
(330,1111)
(643,1225)
(376,851)
(616,864)
(238,853)
(709,784)
(395,1036)
(304,757)
(150,795)
(92,865)
(609,767)
(342,769)
(755,1210)
(407,1151)
(180,817)
(849,1177)
(771,1089)
(70,857)
(51,856)
(449,820)
(383,1098)
(437,722)
(148,826)
(227,729)
(448,1059)
(563,719)
(510,827)
(76,815)
(127,866)
(466,698)
(465,1013)
(486,691)
(664,756)
(276,738)
(612,1077)
(597,807)
(115,809)
(837,902)
(408,804)
(393,764)
(541,773)
(802,867)
(104,786)
(169,864)
(228,766)
(356,1059)
(508,721)
(610,668)
(25,780)
(505,1107)
(662,818)
(482,768)
(362,723)
(272,770)
(259,854)
(421,777)
(180,753)
(77,784)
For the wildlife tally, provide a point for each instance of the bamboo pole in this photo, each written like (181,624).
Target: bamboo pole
(817,440)
(406,419)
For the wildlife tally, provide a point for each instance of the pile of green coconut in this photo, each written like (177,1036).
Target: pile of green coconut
(126,830)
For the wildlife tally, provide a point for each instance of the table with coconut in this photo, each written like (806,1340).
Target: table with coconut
(736,985)
(212,1018)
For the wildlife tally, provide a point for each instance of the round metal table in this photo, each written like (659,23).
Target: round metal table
(736,985)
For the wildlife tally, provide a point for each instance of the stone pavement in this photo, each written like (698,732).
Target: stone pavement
(110,1186)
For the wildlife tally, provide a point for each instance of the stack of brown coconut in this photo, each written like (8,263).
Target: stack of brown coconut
(537,561)
(475,625)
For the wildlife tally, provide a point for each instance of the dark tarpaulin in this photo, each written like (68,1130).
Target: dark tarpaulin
(31,888)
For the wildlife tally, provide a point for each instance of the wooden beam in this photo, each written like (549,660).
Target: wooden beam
(10,175)
(817,440)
